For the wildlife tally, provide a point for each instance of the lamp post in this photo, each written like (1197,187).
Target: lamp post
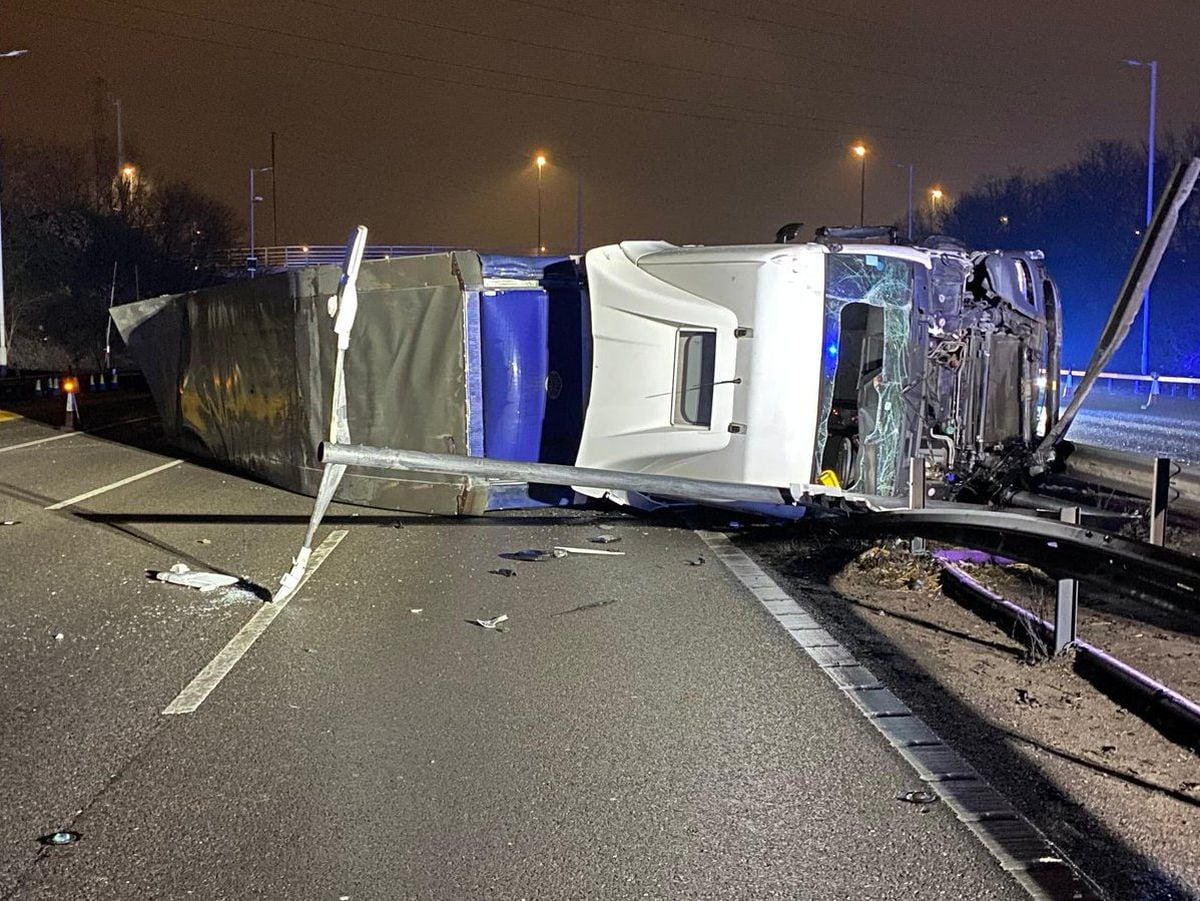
(251,260)
(910,167)
(540,162)
(3,325)
(860,151)
(1152,65)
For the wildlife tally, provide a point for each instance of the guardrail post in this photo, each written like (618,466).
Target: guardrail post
(1066,609)
(1159,498)
(916,496)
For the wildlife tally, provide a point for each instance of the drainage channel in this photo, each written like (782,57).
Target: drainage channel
(1018,846)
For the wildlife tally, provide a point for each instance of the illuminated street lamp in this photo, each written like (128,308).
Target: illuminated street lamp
(936,196)
(540,162)
(860,151)
(3,328)
(1152,65)
(910,167)
(251,260)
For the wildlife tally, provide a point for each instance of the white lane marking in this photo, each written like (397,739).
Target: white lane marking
(95,491)
(218,668)
(4,450)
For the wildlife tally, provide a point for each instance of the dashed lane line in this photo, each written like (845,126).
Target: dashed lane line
(219,667)
(71,501)
(13,447)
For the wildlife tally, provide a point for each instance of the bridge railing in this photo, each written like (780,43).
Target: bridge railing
(297,256)
(1178,384)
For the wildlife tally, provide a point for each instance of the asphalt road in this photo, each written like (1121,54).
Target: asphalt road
(642,729)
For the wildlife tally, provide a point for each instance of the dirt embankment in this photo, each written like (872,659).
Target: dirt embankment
(1121,799)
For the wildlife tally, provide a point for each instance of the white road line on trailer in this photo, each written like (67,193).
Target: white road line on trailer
(4,450)
(95,491)
(1016,844)
(219,667)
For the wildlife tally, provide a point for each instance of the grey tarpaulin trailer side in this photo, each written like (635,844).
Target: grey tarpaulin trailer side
(243,374)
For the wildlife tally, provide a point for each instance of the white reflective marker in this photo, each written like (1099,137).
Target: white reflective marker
(95,491)
(218,668)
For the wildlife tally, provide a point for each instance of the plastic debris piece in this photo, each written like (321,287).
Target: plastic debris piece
(416,609)
(921,796)
(605,539)
(59,637)
(179,574)
(10,522)
(588,550)
(203,541)
(532,555)
(493,622)
(699,561)
(64,837)
(506,572)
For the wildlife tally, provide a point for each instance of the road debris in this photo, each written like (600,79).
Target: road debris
(699,561)
(181,574)
(416,609)
(64,837)
(59,636)
(10,522)
(533,555)
(493,622)
(920,796)
(583,607)
(505,571)
(605,539)
(203,541)
(589,550)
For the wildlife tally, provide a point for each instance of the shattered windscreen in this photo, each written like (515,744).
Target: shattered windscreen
(868,305)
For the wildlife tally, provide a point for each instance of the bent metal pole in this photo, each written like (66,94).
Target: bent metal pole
(550,474)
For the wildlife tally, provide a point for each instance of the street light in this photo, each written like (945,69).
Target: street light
(1152,65)
(540,162)
(4,328)
(860,151)
(251,261)
(910,167)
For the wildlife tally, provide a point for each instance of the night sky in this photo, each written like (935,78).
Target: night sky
(695,121)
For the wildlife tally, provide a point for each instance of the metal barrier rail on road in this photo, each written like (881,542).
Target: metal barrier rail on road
(1133,474)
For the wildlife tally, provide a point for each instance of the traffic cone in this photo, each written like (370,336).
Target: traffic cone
(37,388)
(91,383)
(54,385)
(70,386)
(113,382)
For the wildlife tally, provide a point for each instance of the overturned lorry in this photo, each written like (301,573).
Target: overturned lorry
(823,368)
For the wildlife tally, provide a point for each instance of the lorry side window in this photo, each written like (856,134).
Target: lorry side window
(696,357)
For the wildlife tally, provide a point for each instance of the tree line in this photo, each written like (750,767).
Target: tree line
(75,240)
(1088,216)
